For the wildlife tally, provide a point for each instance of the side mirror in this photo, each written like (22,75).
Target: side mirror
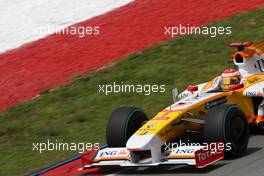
(175,94)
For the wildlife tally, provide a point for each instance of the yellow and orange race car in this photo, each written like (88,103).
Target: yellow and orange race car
(206,123)
(220,111)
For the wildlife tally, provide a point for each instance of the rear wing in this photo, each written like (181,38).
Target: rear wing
(240,45)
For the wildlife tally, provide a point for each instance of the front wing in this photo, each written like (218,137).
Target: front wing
(93,161)
(200,156)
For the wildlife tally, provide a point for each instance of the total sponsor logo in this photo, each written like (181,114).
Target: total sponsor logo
(206,156)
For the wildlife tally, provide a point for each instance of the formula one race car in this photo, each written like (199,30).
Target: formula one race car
(219,111)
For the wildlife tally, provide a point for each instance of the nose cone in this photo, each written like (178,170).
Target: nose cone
(143,142)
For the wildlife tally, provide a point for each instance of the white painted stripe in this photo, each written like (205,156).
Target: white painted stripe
(20,20)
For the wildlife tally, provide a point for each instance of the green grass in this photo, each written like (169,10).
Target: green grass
(78,113)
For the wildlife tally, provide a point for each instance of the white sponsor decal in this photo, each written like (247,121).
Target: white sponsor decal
(112,152)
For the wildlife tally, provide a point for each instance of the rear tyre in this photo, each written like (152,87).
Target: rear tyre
(122,124)
(227,123)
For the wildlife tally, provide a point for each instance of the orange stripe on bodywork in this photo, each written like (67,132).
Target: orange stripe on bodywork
(181,157)
(207,86)
(112,158)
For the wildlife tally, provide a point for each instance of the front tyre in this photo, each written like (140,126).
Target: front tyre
(122,124)
(227,123)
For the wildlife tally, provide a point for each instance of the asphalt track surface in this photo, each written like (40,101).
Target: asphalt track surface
(251,164)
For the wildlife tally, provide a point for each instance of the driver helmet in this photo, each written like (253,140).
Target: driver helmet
(230,77)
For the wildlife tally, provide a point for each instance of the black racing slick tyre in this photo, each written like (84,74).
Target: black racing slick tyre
(227,124)
(122,124)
